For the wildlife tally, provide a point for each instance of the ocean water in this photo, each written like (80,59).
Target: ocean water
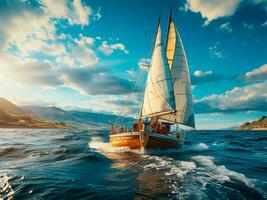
(67,164)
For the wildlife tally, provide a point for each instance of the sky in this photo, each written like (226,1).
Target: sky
(88,54)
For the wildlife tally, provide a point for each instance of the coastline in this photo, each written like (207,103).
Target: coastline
(259,129)
(20,126)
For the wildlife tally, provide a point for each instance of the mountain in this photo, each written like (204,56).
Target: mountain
(12,116)
(8,107)
(79,119)
(260,124)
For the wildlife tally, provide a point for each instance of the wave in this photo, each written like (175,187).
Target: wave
(238,149)
(169,165)
(259,139)
(195,148)
(14,152)
(6,190)
(220,173)
(199,175)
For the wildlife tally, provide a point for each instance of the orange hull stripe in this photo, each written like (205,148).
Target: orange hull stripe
(132,142)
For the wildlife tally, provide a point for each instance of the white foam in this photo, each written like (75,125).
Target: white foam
(204,160)
(169,166)
(200,147)
(220,172)
(195,147)
(6,189)
(188,179)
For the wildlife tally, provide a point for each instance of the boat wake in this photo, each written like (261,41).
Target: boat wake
(198,177)
(201,178)
(192,176)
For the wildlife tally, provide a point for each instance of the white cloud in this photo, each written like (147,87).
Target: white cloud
(32,30)
(84,40)
(85,56)
(19,21)
(264,24)
(258,74)
(65,60)
(97,15)
(226,27)
(32,72)
(204,77)
(29,30)
(211,10)
(247,98)
(57,9)
(32,101)
(108,49)
(34,45)
(97,81)
(81,13)
(199,73)
(73,11)
(105,48)
(120,105)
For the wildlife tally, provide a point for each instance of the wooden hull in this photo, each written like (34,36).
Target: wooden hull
(130,140)
(145,140)
(163,141)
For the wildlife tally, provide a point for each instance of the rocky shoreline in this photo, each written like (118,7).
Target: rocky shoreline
(260,124)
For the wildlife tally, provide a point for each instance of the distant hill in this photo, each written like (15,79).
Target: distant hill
(260,124)
(12,116)
(8,107)
(80,119)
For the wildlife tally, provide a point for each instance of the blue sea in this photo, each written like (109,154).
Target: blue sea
(75,164)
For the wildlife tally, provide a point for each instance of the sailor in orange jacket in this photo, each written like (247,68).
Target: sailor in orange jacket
(155,125)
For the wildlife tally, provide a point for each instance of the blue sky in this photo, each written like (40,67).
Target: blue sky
(86,54)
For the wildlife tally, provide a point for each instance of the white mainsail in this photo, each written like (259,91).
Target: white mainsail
(180,77)
(158,96)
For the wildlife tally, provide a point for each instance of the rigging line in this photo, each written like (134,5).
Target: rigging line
(121,117)
(141,94)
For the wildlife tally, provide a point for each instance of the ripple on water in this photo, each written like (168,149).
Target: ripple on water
(6,190)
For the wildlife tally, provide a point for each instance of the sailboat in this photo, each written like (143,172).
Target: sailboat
(167,99)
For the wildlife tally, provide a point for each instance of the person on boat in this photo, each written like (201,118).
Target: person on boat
(155,125)
(164,129)
(112,127)
(137,126)
(121,129)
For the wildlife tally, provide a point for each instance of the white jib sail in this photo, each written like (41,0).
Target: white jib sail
(158,96)
(181,79)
